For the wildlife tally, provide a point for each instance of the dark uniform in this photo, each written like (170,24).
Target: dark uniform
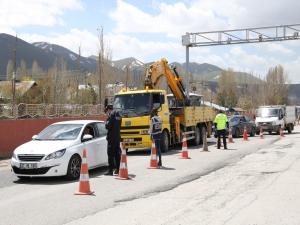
(113,126)
(155,131)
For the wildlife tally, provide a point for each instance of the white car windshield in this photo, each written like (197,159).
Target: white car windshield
(60,132)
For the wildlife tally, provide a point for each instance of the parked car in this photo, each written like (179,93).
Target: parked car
(238,122)
(57,150)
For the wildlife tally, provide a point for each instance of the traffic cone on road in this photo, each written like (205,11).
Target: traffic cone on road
(84,184)
(123,171)
(245,135)
(184,152)
(281,132)
(230,139)
(261,133)
(153,159)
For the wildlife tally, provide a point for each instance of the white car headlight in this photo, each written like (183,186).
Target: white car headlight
(56,154)
(14,156)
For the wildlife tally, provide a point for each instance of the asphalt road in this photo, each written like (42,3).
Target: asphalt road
(52,200)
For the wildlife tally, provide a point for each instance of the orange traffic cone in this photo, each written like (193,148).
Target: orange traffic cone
(230,139)
(261,133)
(184,152)
(245,135)
(281,132)
(84,184)
(153,159)
(123,171)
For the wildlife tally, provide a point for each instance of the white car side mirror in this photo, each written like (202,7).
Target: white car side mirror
(34,137)
(87,137)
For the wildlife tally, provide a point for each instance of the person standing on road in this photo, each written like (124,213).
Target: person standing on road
(221,122)
(155,133)
(113,126)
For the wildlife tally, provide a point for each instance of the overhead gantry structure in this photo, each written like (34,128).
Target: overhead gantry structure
(238,36)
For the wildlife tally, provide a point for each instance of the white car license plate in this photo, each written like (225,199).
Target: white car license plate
(128,140)
(28,165)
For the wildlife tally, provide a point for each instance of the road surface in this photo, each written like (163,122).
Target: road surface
(255,182)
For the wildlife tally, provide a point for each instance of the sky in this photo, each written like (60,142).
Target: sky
(150,30)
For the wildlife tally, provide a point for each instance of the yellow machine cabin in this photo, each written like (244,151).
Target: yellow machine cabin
(179,112)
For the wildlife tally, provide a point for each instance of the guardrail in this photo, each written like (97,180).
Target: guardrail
(22,111)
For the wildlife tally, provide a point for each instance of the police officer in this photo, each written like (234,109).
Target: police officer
(113,126)
(155,132)
(221,122)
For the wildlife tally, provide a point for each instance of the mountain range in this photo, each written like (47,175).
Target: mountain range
(46,54)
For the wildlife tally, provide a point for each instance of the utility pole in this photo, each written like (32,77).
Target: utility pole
(100,62)
(127,73)
(78,74)
(13,82)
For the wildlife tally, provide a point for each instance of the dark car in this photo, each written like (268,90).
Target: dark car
(238,122)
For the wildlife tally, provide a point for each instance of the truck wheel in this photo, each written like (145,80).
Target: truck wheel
(73,172)
(252,134)
(164,142)
(197,139)
(289,128)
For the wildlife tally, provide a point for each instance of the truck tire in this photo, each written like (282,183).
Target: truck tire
(289,128)
(252,134)
(164,142)
(196,141)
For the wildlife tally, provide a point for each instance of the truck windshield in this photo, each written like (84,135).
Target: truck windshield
(132,105)
(267,112)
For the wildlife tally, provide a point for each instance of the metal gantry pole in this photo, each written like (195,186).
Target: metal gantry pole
(187,74)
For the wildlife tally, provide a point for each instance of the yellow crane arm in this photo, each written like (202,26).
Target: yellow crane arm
(161,69)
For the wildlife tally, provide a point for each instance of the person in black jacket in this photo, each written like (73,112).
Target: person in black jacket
(113,126)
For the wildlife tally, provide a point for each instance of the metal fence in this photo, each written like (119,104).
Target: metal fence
(22,111)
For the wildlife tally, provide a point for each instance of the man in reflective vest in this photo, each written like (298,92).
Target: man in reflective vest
(221,122)
(155,132)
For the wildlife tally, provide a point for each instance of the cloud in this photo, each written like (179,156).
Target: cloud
(175,19)
(16,13)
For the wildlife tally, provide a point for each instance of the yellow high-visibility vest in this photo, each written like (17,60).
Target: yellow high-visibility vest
(221,120)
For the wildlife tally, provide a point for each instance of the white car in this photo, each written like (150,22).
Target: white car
(57,150)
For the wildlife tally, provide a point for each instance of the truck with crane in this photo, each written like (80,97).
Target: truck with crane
(179,111)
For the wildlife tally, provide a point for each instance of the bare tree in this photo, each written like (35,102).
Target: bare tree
(276,89)
(227,89)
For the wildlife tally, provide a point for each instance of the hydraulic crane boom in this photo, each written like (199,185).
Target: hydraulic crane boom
(161,69)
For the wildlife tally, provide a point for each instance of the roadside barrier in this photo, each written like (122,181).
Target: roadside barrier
(230,139)
(153,157)
(184,152)
(245,135)
(261,134)
(84,184)
(205,146)
(123,170)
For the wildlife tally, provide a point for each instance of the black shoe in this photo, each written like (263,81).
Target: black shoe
(159,164)
(226,148)
(116,172)
(109,173)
